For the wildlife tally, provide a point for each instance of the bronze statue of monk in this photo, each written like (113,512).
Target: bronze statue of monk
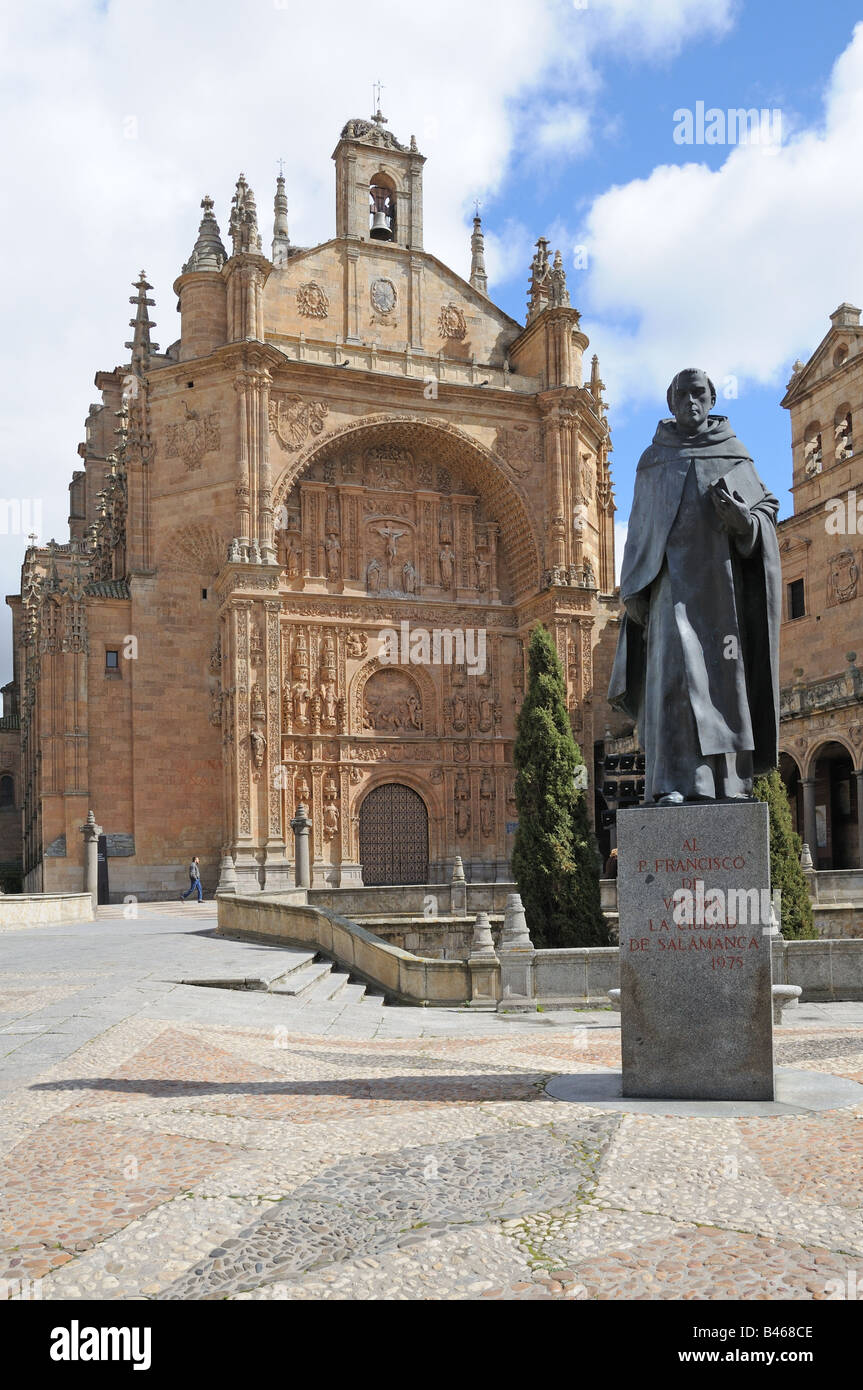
(697,662)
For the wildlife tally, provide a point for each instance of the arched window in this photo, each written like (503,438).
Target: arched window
(842,433)
(7,791)
(813,456)
(382,208)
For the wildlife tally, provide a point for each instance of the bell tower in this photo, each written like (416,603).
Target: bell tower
(379,185)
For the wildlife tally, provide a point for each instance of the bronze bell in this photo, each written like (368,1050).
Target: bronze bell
(383,214)
(381,229)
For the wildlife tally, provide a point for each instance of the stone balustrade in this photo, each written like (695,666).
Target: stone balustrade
(24,910)
(831,692)
(825,970)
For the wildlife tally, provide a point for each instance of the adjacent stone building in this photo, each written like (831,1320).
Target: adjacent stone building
(10,793)
(821,646)
(346,438)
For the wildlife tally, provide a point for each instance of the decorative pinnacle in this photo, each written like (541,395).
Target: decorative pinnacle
(244,219)
(281,240)
(140,345)
(478,277)
(208,252)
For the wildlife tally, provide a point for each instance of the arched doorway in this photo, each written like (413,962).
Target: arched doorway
(790,774)
(836,809)
(394,836)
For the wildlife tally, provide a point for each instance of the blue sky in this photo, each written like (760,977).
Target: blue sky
(772,56)
(559,116)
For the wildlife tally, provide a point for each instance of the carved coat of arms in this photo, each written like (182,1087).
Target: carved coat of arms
(193,437)
(292,420)
(517,446)
(383,296)
(451,322)
(312,301)
(843,577)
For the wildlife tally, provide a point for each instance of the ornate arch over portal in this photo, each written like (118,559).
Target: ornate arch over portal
(419,481)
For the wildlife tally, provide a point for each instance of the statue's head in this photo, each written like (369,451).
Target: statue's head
(691,397)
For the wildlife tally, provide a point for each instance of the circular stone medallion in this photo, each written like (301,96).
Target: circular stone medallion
(383,296)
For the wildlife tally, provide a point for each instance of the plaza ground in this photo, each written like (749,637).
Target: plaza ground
(298,1139)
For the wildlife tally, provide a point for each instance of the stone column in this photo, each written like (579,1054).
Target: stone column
(858,778)
(556,543)
(516,959)
(242,480)
(91,832)
(484,966)
(809,873)
(458,889)
(415,314)
(810,833)
(227,876)
(352,333)
(301,825)
(265,479)
(493,531)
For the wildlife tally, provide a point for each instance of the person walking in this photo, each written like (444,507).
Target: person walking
(194,882)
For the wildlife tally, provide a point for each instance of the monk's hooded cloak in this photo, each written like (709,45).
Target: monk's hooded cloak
(702,679)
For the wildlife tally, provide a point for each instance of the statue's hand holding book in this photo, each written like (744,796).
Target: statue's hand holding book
(731,508)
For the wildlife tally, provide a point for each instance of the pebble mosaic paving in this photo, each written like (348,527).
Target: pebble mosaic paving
(157,1142)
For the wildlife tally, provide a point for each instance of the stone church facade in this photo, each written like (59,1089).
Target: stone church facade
(347,440)
(821,647)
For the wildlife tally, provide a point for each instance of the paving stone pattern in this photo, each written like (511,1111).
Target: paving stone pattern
(165,1141)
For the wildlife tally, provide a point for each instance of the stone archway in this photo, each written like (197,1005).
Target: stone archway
(501,487)
(394,836)
(835,793)
(789,771)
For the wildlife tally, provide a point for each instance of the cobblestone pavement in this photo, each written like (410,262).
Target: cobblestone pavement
(159,1140)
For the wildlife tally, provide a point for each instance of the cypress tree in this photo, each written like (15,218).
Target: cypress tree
(554,856)
(785,846)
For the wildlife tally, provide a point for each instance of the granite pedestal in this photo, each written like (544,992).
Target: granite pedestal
(695,949)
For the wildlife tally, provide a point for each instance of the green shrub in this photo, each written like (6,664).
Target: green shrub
(785,846)
(554,858)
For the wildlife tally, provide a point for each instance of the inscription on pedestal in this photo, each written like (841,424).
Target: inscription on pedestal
(695,947)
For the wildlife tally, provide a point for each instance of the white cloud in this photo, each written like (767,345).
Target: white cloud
(660,27)
(118,117)
(737,268)
(563,130)
(508,251)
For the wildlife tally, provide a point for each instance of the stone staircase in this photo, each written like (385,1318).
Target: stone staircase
(312,979)
(303,978)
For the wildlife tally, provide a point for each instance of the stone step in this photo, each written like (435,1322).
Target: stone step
(353,993)
(272,969)
(329,988)
(298,983)
(293,959)
(372,1001)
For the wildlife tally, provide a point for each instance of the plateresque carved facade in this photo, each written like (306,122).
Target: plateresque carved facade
(821,545)
(346,438)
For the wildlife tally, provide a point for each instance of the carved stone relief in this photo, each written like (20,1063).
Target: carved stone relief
(384,299)
(193,437)
(451,322)
(392,703)
(518,446)
(292,420)
(312,301)
(843,577)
